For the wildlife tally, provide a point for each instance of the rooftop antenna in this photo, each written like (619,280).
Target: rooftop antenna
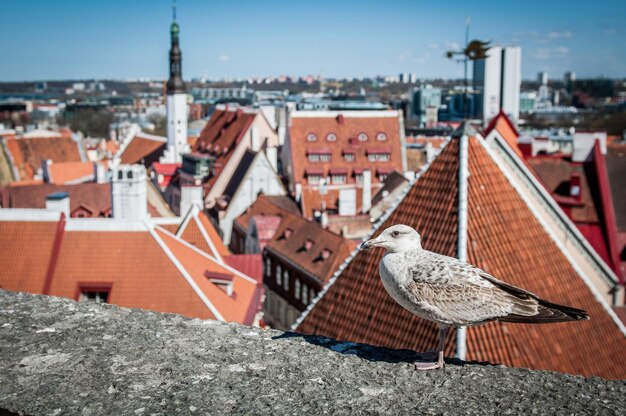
(174,10)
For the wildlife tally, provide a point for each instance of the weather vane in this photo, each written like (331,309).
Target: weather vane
(474,50)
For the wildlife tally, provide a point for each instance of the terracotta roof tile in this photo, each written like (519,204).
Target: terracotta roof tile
(249,264)
(28,153)
(93,196)
(64,172)
(143,148)
(346,127)
(327,250)
(267,205)
(506,240)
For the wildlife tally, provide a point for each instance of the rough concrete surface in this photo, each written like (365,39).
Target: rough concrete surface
(59,357)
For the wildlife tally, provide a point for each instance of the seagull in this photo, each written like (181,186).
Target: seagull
(453,293)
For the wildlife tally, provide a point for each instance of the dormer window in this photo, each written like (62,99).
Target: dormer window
(286,280)
(326,254)
(314,176)
(287,233)
(308,244)
(362,137)
(314,157)
(311,137)
(223,281)
(94,293)
(381,137)
(348,157)
(331,137)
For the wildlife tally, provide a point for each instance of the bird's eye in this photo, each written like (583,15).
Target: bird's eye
(395,233)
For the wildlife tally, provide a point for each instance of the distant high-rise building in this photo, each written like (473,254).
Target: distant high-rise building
(542,78)
(570,78)
(498,79)
(176,103)
(421,99)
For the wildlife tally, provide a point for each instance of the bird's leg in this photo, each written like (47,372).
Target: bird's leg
(443,331)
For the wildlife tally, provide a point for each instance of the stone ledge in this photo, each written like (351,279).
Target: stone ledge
(59,357)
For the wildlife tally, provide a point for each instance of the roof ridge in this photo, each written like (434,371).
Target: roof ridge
(596,294)
(181,269)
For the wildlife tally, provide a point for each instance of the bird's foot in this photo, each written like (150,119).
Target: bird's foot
(428,355)
(424,366)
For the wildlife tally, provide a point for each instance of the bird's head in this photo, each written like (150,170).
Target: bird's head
(396,239)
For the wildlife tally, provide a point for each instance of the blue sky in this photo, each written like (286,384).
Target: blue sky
(117,39)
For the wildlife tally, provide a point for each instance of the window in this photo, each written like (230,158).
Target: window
(348,157)
(381,137)
(305,294)
(314,179)
(382,177)
(325,157)
(311,295)
(279,272)
(314,157)
(311,137)
(268,267)
(337,179)
(359,178)
(331,137)
(362,137)
(94,293)
(378,157)
(296,288)
(286,281)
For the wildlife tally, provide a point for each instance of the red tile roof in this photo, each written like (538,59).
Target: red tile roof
(222,134)
(147,268)
(143,148)
(347,127)
(290,240)
(197,230)
(27,154)
(249,264)
(93,197)
(275,205)
(507,130)
(75,172)
(505,239)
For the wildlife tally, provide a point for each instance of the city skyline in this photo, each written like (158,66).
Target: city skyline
(336,40)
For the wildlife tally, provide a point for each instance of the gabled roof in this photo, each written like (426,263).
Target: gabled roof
(327,250)
(391,183)
(140,263)
(26,154)
(267,205)
(507,130)
(505,239)
(225,129)
(142,147)
(197,230)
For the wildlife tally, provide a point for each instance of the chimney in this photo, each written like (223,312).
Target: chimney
(282,125)
(324,219)
(99,173)
(190,196)
(45,170)
(366,196)
(129,192)
(347,202)
(59,201)
(574,186)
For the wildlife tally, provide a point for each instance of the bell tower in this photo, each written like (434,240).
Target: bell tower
(176,101)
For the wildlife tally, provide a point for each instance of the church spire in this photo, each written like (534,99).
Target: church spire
(175,84)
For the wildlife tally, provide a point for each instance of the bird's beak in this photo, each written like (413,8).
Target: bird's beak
(375,242)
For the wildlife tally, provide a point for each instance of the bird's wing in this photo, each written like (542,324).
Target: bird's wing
(465,294)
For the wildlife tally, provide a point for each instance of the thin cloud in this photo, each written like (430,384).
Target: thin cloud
(433,46)
(550,53)
(223,57)
(610,31)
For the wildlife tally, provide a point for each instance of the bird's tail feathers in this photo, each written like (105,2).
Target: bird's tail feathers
(548,312)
